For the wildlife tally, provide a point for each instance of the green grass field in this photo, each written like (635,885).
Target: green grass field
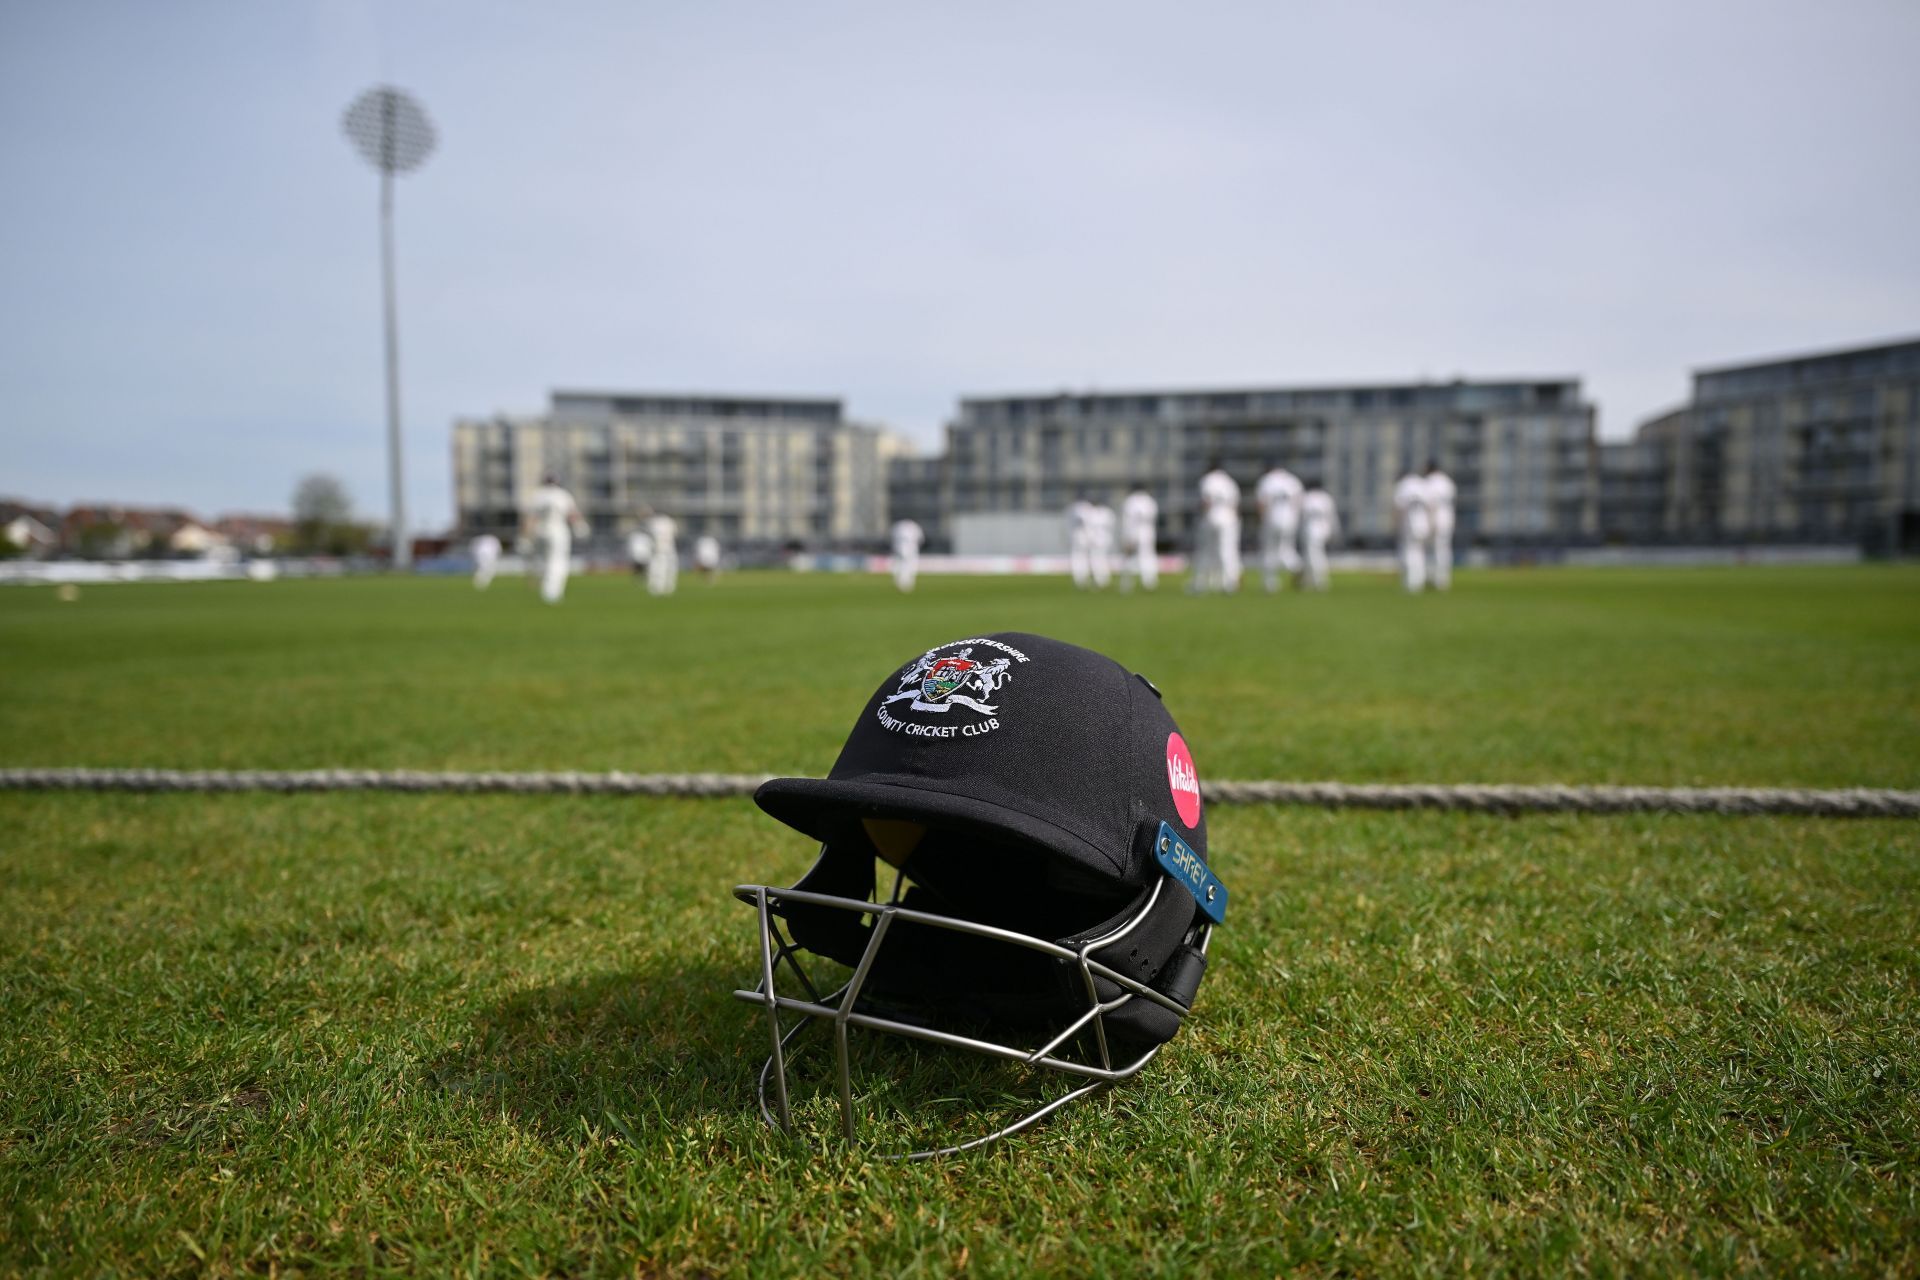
(255,1034)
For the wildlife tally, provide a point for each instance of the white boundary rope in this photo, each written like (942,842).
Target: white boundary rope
(1857,802)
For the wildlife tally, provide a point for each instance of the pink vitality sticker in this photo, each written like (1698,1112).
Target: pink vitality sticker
(1183,781)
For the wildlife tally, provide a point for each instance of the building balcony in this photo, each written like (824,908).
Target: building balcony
(1817,489)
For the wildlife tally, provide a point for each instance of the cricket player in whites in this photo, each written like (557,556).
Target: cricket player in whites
(1414,525)
(556,518)
(640,551)
(908,538)
(1139,553)
(1080,541)
(663,570)
(1101,524)
(486,559)
(1440,494)
(1319,522)
(1216,556)
(706,556)
(1278,494)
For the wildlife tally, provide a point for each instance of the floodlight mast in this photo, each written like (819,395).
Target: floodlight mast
(392,134)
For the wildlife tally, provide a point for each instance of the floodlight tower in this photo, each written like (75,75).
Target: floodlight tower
(393,135)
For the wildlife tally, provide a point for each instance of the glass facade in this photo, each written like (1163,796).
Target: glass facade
(1521,453)
(1818,448)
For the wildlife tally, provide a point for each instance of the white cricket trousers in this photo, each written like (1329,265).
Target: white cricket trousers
(663,572)
(905,570)
(1413,559)
(1217,566)
(1278,551)
(1316,566)
(1140,562)
(1080,559)
(1441,571)
(557,553)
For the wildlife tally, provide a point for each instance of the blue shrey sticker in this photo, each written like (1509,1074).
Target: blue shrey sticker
(1184,865)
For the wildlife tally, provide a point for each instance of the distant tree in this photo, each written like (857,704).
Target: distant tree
(322,515)
(350,540)
(321,499)
(102,540)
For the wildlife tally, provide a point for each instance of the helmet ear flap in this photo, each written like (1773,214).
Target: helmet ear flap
(1159,944)
(1141,1024)
(843,872)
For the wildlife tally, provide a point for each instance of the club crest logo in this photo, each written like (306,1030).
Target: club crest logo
(936,683)
(949,676)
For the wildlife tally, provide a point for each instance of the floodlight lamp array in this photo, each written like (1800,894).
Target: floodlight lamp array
(389,129)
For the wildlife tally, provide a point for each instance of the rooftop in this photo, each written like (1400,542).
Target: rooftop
(1765,377)
(653,404)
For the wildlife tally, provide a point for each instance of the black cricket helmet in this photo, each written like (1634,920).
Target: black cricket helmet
(1039,817)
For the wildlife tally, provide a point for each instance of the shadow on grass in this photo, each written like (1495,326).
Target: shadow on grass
(631,1052)
(910,1095)
(643,1052)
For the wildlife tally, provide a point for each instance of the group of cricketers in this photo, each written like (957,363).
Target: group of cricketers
(1423,524)
(1297,521)
(553,519)
(1094,532)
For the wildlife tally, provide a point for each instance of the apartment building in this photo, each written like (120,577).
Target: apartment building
(752,471)
(1521,452)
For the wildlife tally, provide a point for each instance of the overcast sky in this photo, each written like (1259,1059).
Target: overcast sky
(904,203)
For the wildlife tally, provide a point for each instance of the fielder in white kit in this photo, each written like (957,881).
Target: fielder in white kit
(1278,494)
(1414,525)
(1217,533)
(1440,495)
(556,518)
(1080,542)
(1319,522)
(1139,554)
(640,552)
(908,538)
(486,559)
(706,556)
(1101,524)
(663,571)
